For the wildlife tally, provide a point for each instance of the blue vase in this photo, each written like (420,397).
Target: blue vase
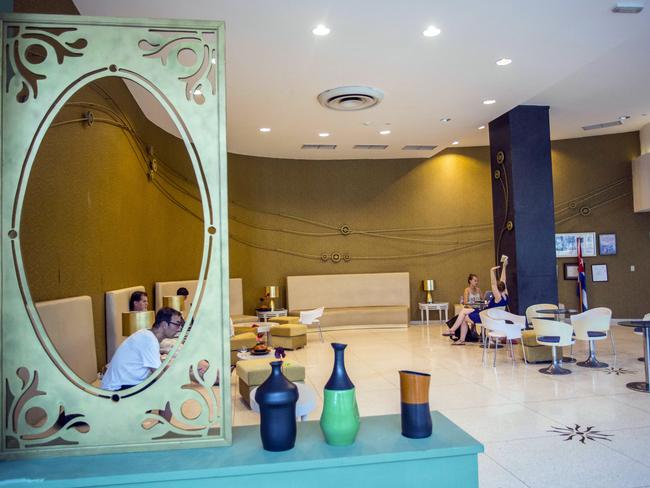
(340,418)
(277,398)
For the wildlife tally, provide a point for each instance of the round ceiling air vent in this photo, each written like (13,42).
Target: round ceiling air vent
(350,98)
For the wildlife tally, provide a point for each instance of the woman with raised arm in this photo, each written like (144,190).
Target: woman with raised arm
(469,316)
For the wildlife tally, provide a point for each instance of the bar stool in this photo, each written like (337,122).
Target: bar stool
(553,334)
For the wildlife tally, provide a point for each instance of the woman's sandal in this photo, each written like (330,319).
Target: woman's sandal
(448,334)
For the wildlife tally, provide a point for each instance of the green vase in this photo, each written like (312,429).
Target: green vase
(340,419)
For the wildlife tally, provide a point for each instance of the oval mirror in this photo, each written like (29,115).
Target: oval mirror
(111,209)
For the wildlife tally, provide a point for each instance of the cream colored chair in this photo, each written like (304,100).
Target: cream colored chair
(310,317)
(554,334)
(532,311)
(117,302)
(497,327)
(592,325)
(69,325)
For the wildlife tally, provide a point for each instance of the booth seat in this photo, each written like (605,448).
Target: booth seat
(167,288)
(368,300)
(117,302)
(69,325)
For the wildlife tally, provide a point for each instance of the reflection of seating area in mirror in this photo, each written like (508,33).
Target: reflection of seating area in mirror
(117,303)
(69,325)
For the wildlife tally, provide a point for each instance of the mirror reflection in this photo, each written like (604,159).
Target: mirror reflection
(112,233)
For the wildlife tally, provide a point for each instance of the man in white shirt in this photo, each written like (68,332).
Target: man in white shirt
(139,355)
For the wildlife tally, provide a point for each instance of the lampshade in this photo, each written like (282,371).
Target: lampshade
(273,291)
(177,302)
(134,321)
(428,285)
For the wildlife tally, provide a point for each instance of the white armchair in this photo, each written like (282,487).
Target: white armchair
(554,334)
(310,317)
(497,327)
(592,325)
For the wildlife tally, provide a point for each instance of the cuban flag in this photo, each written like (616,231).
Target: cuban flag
(582,279)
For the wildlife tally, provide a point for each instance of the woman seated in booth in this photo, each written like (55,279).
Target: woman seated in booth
(469,316)
(472,293)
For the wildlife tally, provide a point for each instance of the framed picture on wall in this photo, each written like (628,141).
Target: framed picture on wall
(607,244)
(570,271)
(566,244)
(599,272)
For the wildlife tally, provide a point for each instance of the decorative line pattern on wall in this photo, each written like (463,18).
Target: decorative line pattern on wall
(583,205)
(160,174)
(578,206)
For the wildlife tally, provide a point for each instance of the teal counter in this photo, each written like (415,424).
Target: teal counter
(380,457)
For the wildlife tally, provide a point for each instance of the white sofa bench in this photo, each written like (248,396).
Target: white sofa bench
(368,300)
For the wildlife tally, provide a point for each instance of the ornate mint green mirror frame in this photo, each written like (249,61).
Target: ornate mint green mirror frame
(73,416)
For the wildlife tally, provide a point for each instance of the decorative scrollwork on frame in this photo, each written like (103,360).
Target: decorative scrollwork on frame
(27,47)
(345,230)
(192,51)
(193,413)
(34,419)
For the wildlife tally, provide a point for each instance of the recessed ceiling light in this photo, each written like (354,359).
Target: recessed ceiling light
(504,62)
(481,127)
(624,117)
(445,119)
(384,132)
(431,31)
(321,30)
(455,143)
(489,102)
(265,129)
(323,134)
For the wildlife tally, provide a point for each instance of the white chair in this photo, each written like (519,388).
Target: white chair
(553,334)
(593,325)
(310,317)
(532,311)
(497,327)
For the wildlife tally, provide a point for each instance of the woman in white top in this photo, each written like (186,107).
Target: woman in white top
(472,293)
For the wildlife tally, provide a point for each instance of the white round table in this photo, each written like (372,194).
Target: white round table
(306,400)
(265,315)
(246,355)
(438,306)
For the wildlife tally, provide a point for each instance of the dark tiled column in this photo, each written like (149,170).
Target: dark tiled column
(522,204)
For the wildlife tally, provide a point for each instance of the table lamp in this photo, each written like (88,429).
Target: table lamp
(272,292)
(429,286)
(177,302)
(134,321)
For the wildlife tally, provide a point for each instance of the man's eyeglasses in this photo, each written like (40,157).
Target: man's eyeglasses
(179,324)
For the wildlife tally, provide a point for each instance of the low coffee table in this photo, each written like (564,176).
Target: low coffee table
(306,400)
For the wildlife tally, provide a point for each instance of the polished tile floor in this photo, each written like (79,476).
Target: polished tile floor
(531,424)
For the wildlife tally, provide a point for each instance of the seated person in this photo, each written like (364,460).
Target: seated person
(468,316)
(472,293)
(139,355)
(139,301)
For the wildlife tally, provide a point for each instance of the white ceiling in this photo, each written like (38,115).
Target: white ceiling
(587,63)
